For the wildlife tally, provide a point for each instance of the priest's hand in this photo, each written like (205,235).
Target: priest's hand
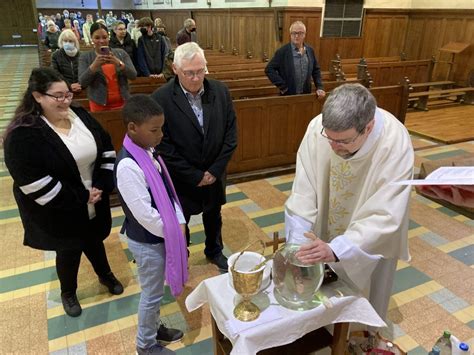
(315,251)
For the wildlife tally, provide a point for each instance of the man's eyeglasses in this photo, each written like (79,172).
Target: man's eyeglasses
(342,141)
(191,74)
(62,97)
(297,33)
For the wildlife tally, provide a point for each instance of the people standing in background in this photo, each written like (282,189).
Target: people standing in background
(68,26)
(120,38)
(61,161)
(151,50)
(77,28)
(294,65)
(66,60)
(135,32)
(52,36)
(161,30)
(187,33)
(86,29)
(199,138)
(105,72)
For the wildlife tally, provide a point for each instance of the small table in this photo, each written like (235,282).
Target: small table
(291,327)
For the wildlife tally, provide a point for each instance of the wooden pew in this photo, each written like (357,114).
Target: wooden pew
(247,82)
(420,99)
(270,129)
(234,67)
(348,67)
(392,73)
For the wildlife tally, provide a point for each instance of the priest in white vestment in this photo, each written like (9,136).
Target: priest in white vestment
(342,193)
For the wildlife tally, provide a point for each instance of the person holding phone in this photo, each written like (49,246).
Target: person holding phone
(105,72)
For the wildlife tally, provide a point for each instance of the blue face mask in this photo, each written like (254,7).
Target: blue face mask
(68,46)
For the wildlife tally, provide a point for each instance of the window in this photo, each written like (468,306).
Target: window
(343,18)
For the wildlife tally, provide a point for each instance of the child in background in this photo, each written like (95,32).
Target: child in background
(154,223)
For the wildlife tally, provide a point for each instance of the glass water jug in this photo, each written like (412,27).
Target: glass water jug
(295,282)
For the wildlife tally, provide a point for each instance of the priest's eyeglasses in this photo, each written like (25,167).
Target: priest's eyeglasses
(300,33)
(61,97)
(341,141)
(191,74)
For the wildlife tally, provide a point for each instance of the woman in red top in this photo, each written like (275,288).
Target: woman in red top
(105,72)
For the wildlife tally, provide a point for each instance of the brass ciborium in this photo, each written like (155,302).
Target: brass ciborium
(247,282)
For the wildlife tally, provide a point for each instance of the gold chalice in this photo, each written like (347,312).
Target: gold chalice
(247,281)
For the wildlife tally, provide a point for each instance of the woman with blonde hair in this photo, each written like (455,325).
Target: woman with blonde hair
(52,36)
(66,60)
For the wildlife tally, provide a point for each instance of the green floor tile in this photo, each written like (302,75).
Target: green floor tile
(448,154)
(407,278)
(464,255)
(96,315)
(9,214)
(270,219)
(235,196)
(202,348)
(448,211)
(413,225)
(285,186)
(28,279)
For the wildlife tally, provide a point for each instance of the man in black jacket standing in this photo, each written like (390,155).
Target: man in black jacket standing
(199,137)
(151,50)
(294,65)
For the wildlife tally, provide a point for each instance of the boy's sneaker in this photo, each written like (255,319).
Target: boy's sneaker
(114,285)
(155,349)
(71,304)
(168,335)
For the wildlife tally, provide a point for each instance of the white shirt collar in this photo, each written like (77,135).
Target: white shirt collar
(373,135)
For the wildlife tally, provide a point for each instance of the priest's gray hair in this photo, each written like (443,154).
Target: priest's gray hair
(348,106)
(187,51)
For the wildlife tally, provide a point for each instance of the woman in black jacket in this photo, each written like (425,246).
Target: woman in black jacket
(52,36)
(66,60)
(61,161)
(120,38)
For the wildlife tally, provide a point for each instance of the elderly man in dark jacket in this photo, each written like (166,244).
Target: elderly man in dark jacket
(199,137)
(294,65)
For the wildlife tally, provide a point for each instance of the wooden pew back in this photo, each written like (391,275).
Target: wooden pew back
(392,73)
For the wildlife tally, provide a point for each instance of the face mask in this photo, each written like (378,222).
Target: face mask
(192,30)
(144,31)
(68,46)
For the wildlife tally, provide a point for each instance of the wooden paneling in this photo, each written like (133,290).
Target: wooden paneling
(18,17)
(244,30)
(346,47)
(384,34)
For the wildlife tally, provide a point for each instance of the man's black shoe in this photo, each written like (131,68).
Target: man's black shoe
(168,335)
(220,261)
(114,285)
(71,304)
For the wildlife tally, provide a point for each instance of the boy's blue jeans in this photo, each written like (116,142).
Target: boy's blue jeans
(150,260)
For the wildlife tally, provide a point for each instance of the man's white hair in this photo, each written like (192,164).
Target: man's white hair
(187,51)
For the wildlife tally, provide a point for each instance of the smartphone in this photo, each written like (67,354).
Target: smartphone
(104,50)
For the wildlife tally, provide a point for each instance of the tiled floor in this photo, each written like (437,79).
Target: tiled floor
(432,293)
